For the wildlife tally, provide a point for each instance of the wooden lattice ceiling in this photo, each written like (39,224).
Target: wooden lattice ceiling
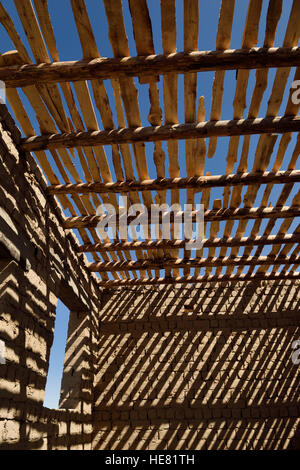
(64,96)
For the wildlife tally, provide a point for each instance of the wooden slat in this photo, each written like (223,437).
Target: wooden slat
(49,91)
(286,249)
(261,160)
(271,223)
(42,11)
(22,117)
(286,190)
(295,252)
(222,43)
(125,151)
(43,14)
(82,209)
(9,26)
(284,142)
(44,119)
(87,207)
(291,39)
(43,116)
(275,101)
(142,30)
(214,229)
(119,43)
(191,40)
(128,92)
(205,198)
(273,16)
(250,35)
(191,31)
(17,106)
(90,50)
(200,156)
(90,167)
(282,230)
(97,157)
(170,89)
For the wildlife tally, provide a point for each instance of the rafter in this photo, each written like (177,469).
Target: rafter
(151,65)
(200,279)
(199,183)
(207,243)
(209,216)
(160,264)
(202,130)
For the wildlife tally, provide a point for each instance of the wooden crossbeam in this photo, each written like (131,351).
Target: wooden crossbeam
(199,279)
(207,243)
(209,216)
(181,62)
(197,182)
(235,127)
(159,264)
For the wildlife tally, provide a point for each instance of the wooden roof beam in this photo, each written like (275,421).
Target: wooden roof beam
(209,216)
(207,243)
(159,264)
(199,279)
(197,182)
(151,65)
(201,130)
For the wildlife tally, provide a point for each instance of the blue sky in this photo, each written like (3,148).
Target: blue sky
(69,48)
(57,356)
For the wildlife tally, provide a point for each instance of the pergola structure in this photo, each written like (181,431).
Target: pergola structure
(64,96)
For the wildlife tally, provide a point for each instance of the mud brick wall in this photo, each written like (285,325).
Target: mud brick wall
(175,367)
(204,367)
(38,265)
